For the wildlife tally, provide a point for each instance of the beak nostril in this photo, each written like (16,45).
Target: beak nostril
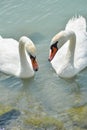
(36,69)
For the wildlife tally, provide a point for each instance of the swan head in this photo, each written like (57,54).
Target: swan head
(56,43)
(31,50)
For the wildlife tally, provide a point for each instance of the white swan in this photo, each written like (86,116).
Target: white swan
(68,49)
(14,57)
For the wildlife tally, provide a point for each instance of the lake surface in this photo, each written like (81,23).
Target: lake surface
(45,94)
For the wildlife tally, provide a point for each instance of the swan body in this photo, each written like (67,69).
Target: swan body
(14,58)
(70,56)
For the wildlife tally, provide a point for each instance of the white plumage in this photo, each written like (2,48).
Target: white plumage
(14,58)
(71,57)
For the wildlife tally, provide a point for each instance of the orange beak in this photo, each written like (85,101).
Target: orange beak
(52,53)
(34,64)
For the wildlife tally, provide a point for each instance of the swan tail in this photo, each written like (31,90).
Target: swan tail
(76,24)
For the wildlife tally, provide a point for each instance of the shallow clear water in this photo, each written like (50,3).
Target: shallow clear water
(45,92)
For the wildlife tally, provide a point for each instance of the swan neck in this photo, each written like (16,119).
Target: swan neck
(71,48)
(25,64)
(22,53)
(23,58)
(72,42)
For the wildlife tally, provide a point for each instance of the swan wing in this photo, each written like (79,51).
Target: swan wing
(9,56)
(78,25)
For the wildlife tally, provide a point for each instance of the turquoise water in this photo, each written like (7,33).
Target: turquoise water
(46,93)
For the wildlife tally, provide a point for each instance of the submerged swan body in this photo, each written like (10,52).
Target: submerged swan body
(14,57)
(68,49)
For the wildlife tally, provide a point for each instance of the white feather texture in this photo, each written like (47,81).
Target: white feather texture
(71,58)
(14,58)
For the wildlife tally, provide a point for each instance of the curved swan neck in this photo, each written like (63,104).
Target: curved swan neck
(25,65)
(22,52)
(71,48)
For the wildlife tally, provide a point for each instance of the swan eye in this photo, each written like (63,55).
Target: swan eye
(32,57)
(54,45)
